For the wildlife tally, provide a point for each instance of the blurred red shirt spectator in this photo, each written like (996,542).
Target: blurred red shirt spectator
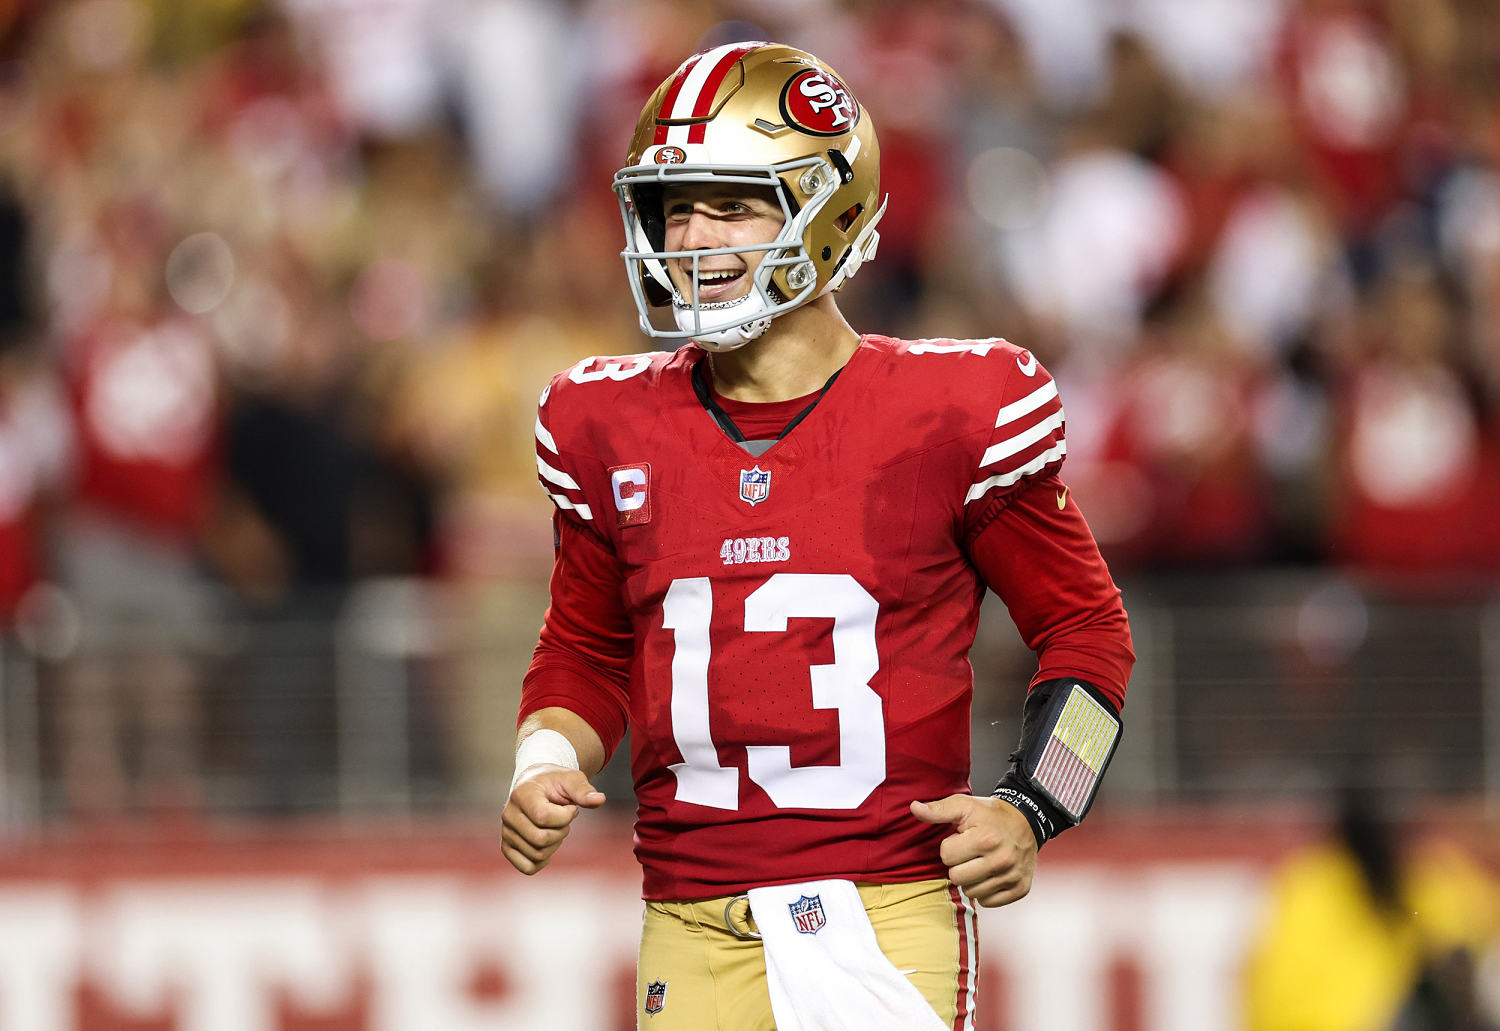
(146,398)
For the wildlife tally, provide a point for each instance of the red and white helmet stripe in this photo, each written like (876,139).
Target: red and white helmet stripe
(692,92)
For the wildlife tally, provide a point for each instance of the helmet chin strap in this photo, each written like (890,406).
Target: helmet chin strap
(744,310)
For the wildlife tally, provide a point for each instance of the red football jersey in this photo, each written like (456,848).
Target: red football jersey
(789,634)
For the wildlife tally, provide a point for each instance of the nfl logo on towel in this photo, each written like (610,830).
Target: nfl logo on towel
(656,996)
(807,914)
(755,485)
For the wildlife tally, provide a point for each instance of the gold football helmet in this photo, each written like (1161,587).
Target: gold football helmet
(760,114)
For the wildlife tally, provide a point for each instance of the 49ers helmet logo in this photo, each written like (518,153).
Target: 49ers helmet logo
(670,156)
(819,104)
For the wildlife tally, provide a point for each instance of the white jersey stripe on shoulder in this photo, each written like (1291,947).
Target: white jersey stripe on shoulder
(1021,441)
(579,507)
(544,438)
(556,476)
(1038,463)
(1030,403)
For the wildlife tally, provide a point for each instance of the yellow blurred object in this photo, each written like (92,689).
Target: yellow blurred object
(1329,958)
(1455,902)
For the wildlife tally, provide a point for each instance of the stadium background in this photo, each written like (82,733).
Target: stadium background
(281,282)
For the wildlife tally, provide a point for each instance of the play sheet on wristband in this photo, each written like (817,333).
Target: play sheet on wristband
(1078,746)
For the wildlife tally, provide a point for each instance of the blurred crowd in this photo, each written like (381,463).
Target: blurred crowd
(283,278)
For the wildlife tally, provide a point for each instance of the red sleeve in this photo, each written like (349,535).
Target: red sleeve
(582,661)
(1034,549)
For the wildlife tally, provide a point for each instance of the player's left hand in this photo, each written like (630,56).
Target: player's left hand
(992,855)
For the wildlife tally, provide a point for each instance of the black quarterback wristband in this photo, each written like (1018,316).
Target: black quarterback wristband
(1069,732)
(1043,819)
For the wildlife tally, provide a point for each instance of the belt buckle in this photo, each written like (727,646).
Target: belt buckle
(747,934)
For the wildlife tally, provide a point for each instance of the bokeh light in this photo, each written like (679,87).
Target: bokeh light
(1008,187)
(200,272)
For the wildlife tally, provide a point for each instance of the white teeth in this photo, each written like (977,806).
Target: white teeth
(716,277)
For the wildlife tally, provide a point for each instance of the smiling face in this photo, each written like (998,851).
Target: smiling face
(706,216)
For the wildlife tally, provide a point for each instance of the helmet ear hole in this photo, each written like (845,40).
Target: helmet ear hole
(844,221)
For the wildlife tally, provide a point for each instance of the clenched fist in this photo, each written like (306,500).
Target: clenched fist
(992,854)
(542,806)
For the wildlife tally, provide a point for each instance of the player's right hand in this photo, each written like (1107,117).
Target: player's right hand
(537,816)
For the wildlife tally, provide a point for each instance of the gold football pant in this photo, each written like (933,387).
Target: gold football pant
(696,973)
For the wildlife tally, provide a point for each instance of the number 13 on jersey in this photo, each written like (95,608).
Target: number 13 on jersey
(842,685)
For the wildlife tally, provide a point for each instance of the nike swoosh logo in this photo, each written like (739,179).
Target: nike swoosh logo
(1062,499)
(1028,367)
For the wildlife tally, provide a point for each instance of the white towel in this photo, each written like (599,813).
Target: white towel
(824,967)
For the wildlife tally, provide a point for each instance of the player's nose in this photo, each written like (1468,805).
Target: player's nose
(699,233)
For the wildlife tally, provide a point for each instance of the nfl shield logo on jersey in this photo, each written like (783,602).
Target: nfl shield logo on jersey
(755,485)
(807,914)
(656,996)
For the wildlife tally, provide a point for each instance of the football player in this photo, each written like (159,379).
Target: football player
(772,544)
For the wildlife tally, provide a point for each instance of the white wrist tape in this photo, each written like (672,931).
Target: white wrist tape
(544,746)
